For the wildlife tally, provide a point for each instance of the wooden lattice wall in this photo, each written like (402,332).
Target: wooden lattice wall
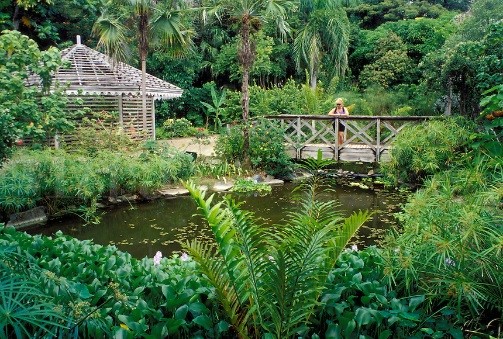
(128,108)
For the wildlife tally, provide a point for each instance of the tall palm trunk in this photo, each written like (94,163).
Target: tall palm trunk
(313,77)
(246,58)
(143,31)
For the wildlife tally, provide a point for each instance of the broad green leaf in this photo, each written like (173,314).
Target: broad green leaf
(385,334)
(198,308)
(363,317)
(204,321)
(181,312)
(333,331)
(173,325)
(415,301)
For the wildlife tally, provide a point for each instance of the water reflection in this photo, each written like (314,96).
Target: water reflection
(144,229)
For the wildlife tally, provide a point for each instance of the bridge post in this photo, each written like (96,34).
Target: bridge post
(336,128)
(378,141)
(298,128)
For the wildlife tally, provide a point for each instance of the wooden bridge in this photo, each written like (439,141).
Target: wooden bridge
(368,138)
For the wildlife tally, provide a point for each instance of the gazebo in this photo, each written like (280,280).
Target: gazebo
(106,85)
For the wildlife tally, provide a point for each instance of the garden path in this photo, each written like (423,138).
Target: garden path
(200,146)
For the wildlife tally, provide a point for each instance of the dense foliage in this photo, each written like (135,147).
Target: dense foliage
(71,288)
(60,180)
(28,111)
(450,248)
(267,151)
(438,276)
(426,149)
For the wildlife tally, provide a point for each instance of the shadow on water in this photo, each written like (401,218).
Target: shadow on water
(144,229)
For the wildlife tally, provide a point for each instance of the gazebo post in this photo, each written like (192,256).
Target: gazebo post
(121,119)
(153,117)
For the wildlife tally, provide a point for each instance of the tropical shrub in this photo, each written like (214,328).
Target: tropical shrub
(177,128)
(28,111)
(249,185)
(221,169)
(267,151)
(490,139)
(423,150)
(100,131)
(450,247)
(357,302)
(268,281)
(69,288)
(58,179)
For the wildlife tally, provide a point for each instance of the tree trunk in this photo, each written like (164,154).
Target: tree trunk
(448,106)
(144,93)
(143,31)
(15,20)
(246,58)
(313,79)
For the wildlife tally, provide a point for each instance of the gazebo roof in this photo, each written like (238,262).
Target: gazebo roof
(94,73)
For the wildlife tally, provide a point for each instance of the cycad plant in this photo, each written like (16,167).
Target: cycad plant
(268,279)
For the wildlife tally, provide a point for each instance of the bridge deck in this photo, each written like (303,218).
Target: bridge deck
(349,152)
(368,138)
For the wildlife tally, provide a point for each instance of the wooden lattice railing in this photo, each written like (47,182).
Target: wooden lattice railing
(371,134)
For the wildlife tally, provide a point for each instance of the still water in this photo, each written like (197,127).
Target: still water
(160,225)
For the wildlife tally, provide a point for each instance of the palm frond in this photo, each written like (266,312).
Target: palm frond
(112,36)
(214,269)
(348,231)
(23,308)
(240,246)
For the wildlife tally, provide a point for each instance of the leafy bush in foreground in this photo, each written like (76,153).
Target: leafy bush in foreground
(451,245)
(80,289)
(450,248)
(269,280)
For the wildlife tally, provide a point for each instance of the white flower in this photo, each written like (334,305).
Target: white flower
(184,257)
(450,262)
(354,248)
(157,258)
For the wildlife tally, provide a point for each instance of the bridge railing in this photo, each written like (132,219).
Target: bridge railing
(371,134)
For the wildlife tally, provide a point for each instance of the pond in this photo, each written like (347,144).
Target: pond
(159,225)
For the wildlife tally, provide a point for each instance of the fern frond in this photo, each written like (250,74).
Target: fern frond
(254,250)
(214,271)
(348,231)
(299,279)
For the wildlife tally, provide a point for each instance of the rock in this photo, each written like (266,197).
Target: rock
(32,217)
(274,182)
(257,178)
(173,192)
(129,197)
(222,187)
(370,173)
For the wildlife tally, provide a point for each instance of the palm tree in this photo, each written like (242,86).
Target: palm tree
(324,32)
(148,22)
(249,16)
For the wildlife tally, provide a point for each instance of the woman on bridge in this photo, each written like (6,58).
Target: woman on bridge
(339,109)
